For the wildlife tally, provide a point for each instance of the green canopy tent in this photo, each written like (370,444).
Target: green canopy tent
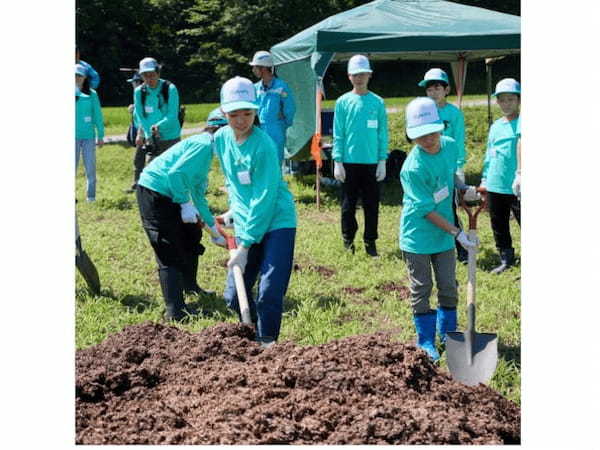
(415,30)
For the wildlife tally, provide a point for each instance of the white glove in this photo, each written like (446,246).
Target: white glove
(483,183)
(189,213)
(339,173)
(464,240)
(239,257)
(227,219)
(216,237)
(460,173)
(380,172)
(516,186)
(471,194)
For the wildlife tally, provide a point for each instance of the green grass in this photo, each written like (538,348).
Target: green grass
(317,308)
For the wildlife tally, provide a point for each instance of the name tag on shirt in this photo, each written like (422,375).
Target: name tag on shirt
(149,109)
(441,194)
(371,123)
(244,177)
(87,119)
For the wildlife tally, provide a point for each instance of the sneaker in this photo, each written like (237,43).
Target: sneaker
(90,200)
(371,249)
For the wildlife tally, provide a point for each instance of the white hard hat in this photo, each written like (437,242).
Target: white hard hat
(238,93)
(507,86)
(262,58)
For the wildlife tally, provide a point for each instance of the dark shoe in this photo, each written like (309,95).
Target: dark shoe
(371,249)
(507,260)
(349,246)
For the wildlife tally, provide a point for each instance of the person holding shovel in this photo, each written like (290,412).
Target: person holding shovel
(437,88)
(89,128)
(360,151)
(171,198)
(500,170)
(427,230)
(264,214)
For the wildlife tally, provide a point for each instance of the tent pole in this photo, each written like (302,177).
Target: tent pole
(318,136)
(459,70)
(488,72)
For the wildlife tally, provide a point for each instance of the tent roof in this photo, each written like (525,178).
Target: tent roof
(432,30)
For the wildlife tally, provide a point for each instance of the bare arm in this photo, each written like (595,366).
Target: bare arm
(442,223)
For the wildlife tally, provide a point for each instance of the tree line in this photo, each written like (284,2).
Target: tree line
(202,43)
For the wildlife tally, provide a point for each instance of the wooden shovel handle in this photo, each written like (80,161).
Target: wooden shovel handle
(469,209)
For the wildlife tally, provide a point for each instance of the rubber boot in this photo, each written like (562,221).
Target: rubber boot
(349,246)
(371,249)
(446,321)
(172,289)
(425,326)
(190,285)
(507,260)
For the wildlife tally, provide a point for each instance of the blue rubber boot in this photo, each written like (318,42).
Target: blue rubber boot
(425,326)
(446,321)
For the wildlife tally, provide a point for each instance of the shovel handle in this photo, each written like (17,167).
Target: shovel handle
(238,276)
(474,213)
(471,291)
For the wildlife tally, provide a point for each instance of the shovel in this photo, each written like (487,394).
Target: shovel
(472,356)
(85,265)
(238,277)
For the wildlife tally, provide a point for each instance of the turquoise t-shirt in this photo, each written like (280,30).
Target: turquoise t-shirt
(181,173)
(157,112)
(454,120)
(500,162)
(428,184)
(258,195)
(360,130)
(88,116)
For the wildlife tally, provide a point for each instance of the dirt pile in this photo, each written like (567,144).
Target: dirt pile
(154,384)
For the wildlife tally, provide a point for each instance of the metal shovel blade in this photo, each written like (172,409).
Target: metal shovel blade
(88,271)
(471,356)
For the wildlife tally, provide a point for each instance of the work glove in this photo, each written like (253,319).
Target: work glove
(464,240)
(471,194)
(380,172)
(216,237)
(239,257)
(339,173)
(189,213)
(516,186)
(483,184)
(227,219)
(460,173)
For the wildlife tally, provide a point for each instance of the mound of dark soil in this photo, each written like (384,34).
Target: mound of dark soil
(155,384)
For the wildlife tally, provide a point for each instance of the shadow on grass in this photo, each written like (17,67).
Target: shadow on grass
(510,354)
(210,305)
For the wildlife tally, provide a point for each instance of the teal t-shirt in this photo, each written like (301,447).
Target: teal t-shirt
(428,184)
(454,121)
(88,116)
(181,173)
(157,112)
(360,130)
(500,162)
(258,195)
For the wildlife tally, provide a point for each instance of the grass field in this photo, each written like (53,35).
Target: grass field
(331,296)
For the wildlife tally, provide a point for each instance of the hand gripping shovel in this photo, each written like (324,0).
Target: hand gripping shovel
(85,265)
(472,356)
(238,277)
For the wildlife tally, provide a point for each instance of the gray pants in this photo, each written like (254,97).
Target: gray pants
(421,283)
(141,159)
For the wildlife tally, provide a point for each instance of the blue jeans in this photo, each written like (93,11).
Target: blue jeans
(272,259)
(87,147)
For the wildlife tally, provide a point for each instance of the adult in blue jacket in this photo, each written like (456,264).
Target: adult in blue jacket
(264,214)
(276,106)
